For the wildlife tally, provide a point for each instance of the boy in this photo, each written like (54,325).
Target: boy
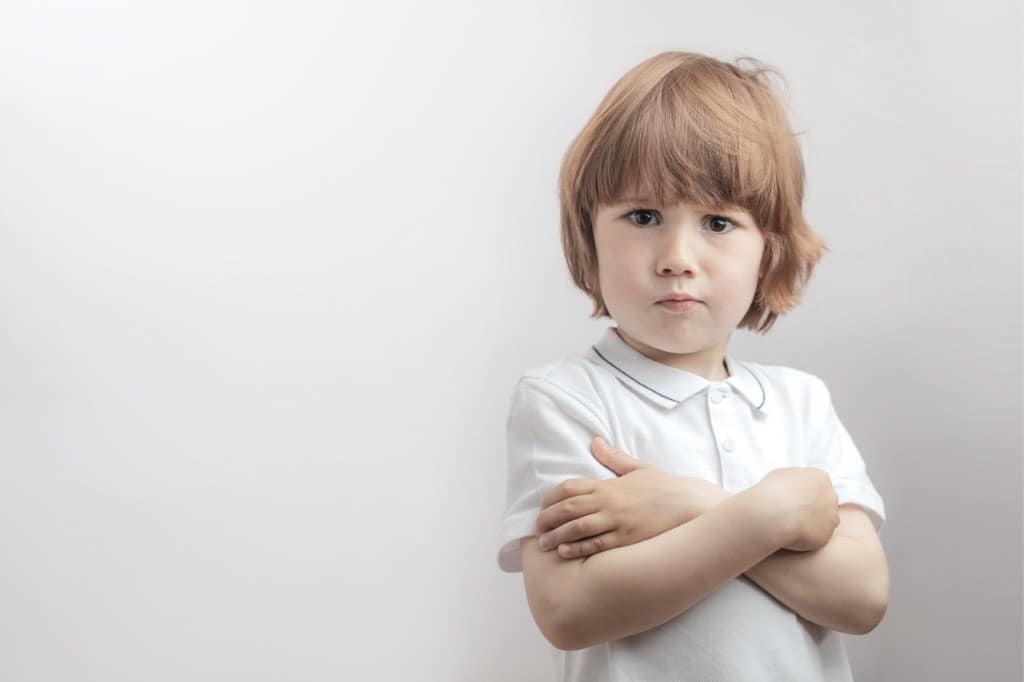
(726,529)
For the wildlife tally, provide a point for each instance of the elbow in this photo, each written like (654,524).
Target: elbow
(554,637)
(557,637)
(872,615)
(561,642)
(568,632)
(566,635)
(559,629)
(551,627)
(876,603)
(878,614)
(552,584)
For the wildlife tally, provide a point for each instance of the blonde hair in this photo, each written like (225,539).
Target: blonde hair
(682,126)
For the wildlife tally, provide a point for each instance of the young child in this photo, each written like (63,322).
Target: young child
(726,527)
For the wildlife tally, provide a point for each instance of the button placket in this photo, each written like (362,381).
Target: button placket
(723,427)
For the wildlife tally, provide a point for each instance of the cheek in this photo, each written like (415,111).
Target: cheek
(618,265)
(623,276)
(747,283)
(736,285)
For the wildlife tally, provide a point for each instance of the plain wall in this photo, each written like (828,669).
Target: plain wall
(269,273)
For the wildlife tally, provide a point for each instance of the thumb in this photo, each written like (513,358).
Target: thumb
(617,460)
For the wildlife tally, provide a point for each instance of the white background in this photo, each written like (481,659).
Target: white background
(269,273)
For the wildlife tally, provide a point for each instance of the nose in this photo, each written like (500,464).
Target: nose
(677,253)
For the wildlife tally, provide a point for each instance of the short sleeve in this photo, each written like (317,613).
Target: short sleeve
(548,435)
(832,449)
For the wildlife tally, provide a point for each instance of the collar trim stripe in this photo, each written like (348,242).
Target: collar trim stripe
(760,385)
(670,386)
(676,400)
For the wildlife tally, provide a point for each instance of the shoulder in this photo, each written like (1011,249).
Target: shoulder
(572,383)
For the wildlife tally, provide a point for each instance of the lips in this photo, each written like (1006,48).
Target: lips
(678,297)
(680,307)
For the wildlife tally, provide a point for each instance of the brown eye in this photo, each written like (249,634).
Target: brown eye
(713,220)
(644,213)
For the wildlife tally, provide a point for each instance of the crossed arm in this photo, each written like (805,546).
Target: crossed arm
(630,589)
(843,586)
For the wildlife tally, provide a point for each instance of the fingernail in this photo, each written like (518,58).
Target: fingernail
(545,542)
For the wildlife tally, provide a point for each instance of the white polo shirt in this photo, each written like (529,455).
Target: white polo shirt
(729,432)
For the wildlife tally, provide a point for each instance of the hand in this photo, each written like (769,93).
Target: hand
(803,504)
(583,516)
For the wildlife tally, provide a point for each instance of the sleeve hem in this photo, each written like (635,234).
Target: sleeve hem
(513,529)
(865,495)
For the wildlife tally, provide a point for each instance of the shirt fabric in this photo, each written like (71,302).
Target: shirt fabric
(729,432)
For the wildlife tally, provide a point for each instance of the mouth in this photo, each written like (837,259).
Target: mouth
(679,305)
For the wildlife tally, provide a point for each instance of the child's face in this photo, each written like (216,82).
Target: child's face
(647,252)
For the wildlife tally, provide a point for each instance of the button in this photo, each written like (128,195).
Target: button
(727,444)
(716,397)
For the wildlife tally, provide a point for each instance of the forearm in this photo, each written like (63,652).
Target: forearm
(826,586)
(630,589)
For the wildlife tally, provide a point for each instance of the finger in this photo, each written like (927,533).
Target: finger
(567,488)
(565,511)
(601,448)
(579,529)
(616,459)
(588,547)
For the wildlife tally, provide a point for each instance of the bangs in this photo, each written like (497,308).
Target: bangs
(710,143)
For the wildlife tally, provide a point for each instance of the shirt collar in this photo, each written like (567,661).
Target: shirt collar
(669,386)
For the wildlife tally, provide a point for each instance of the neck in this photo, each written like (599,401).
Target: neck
(708,363)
